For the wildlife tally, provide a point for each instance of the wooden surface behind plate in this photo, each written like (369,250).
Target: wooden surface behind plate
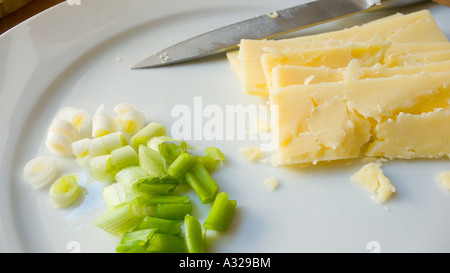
(31,9)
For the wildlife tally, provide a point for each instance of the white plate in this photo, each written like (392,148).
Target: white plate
(81,55)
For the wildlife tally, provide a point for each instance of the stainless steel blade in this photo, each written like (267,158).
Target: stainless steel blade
(261,27)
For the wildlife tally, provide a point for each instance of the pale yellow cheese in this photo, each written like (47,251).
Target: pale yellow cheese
(306,131)
(410,136)
(285,75)
(377,93)
(251,153)
(232,57)
(368,54)
(444,179)
(409,48)
(394,60)
(379,98)
(271,183)
(415,27)
(331,121)
(373,179)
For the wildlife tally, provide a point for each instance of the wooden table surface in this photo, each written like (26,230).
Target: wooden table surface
(33,8)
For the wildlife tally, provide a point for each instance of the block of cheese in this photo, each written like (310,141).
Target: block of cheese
(314,124)
(409,48)
(232,57)
(417,27)
(408,136)
(381,98)
(334,120)
(373,179)
(394,60)
(367,54)
(285,75)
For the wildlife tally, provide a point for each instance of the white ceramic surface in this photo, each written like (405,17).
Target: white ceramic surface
(81,55)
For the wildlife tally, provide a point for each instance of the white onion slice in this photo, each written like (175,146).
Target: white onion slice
(129,118)
(64,127)
(40,171)
(80,148)
(59,144)
(96,147)
(103,124)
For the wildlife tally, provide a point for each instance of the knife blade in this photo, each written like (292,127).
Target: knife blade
(264,26)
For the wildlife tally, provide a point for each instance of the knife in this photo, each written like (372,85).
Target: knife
(265,26)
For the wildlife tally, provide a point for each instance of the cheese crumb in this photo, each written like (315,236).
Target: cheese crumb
(251,153)
(372,178)
(444,178)
(271,183)
(272,14)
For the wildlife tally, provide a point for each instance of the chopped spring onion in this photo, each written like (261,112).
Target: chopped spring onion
(83,161)
(145,134)
(64,190)
(59,144)
(175,211)
(79,117)
(106,144)
(142,208)
(156,186)
(215,153)
(194,183)
(167,199)
(103,124)
(170,151)
(151,161)
(96,147)
(113,141)
(154,142)
(132,175)
(119,220)
(80,148)
(135,241)
(102,169)
(180,166)
(207,161)
(40,171)
(202,183)
(64,127)
(166,243)
(124,157)
(193,234)
(221,213)
(116,194)
(163,225)
(129,118)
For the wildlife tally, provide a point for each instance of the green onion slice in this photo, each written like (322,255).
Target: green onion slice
(64,190)
(221,213)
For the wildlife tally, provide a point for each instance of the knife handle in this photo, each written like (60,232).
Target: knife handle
(443,2)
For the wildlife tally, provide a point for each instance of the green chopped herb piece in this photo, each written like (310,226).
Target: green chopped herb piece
(221,213)
(193,235)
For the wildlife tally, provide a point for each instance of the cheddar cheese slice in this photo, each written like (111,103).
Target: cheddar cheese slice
(367,54)
(381,98)
(335,120)
(411,136)
(414,27)
(315,124)
(285,75)
(394,60)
